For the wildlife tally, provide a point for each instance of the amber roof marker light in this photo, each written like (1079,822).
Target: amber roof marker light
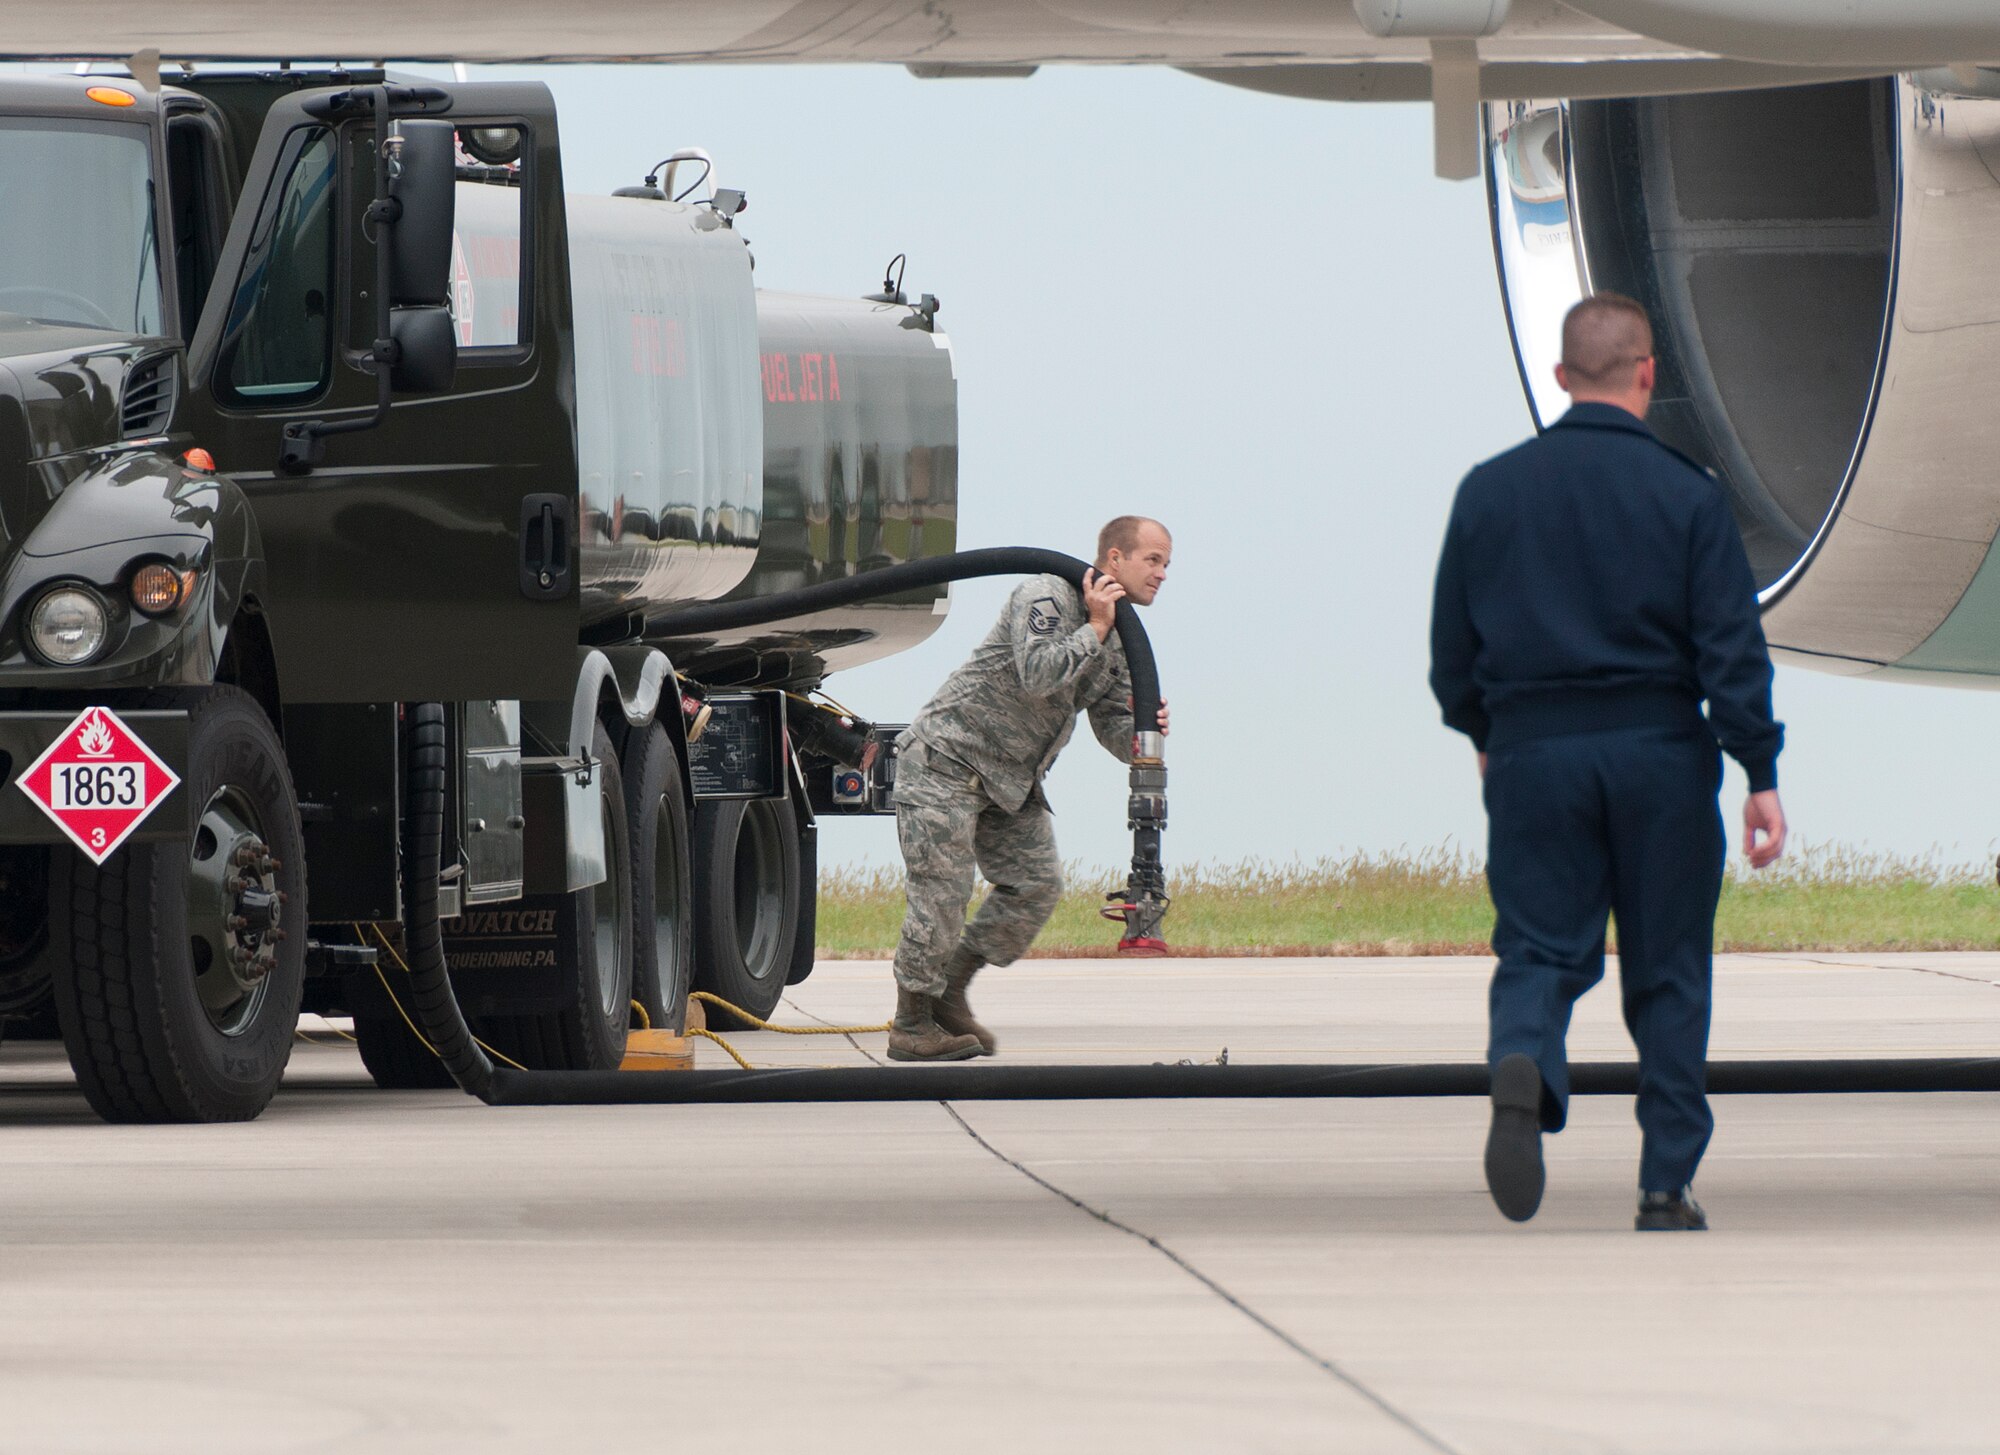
(110,96)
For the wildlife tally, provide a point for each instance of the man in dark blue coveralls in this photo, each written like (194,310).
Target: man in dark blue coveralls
(1593,590)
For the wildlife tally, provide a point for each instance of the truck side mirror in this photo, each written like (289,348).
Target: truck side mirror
(423,182)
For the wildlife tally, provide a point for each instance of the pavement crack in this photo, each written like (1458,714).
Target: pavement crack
(847,1036)
(1870,965)
(1317,1360)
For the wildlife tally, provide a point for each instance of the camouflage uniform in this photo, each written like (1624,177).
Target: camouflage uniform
(969,778)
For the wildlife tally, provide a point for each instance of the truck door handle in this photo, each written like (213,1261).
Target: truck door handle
(545,546)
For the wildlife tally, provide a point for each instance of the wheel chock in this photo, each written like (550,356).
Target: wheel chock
(657,1051)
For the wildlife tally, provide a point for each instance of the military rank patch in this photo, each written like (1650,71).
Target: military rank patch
(1044,616)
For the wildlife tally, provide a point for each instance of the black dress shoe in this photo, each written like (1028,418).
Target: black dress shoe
(1670,1212)
(1514,1173)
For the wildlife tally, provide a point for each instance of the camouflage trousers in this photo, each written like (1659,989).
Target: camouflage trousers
(946,825)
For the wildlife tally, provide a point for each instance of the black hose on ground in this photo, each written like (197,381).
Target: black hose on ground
(974,1081)
(1142,907)
(428,995)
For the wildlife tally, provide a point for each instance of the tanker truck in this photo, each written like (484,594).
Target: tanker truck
(347,463)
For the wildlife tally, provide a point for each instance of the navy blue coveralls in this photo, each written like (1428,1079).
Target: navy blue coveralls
(1593,590)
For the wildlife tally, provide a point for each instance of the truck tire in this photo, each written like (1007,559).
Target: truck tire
(170,1011)
(746,903)
(396,1058)
(594,945)
(805,939)
(662,878)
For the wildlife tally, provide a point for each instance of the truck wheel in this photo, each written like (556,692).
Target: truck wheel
(746,903)
(186,959)
(396,1058)
(594,949)
(662,880)
(805,939)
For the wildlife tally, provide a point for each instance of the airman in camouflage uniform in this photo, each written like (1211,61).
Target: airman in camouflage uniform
(969,783)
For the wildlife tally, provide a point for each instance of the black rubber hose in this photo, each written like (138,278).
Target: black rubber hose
(428,994)
(971,1081)
(695,621)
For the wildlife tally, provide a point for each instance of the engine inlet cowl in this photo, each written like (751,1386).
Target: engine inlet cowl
(1815,262)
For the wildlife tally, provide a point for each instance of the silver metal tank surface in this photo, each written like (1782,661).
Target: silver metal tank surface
(860,403)
(670,423)
(1818,262)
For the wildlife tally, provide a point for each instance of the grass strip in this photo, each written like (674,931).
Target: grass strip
(1434,902)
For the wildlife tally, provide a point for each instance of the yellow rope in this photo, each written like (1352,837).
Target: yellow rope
(403,966)
(764,1025)
(734,1054)
(645,1020)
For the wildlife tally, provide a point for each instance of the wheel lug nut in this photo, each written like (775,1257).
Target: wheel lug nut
(278,934)
(284,898)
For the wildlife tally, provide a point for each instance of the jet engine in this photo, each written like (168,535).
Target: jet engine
(1818,262)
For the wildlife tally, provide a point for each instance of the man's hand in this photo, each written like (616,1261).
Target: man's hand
(1101,595)
(1163,716)
(1763,814)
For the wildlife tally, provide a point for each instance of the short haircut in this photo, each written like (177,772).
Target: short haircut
(1122,534)
(1602,336)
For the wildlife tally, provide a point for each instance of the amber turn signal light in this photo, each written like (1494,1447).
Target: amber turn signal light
(158,588)
(199,459)
(110,96)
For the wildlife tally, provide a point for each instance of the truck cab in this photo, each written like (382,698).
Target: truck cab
(346,467)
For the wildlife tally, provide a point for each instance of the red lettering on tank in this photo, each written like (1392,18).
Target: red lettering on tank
(817,378)
(658,347)
(496,257)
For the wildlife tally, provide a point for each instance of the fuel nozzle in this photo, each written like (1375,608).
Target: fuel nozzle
(839,736)
(1141,906)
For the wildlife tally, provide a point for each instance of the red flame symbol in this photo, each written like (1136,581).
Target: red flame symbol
(95,741)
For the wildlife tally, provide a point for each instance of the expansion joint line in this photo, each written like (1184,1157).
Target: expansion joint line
(1868,965)
(1318,1361)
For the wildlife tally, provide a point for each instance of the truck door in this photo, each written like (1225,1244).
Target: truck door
(395,568)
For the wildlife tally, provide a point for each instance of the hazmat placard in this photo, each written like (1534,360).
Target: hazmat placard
(98,781)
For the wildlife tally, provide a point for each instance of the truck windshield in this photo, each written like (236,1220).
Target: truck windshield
(77,241)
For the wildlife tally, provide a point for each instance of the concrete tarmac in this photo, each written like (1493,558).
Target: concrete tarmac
(361,1271)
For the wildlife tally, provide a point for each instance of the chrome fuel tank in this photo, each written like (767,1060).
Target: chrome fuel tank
(670,426)
(860,406)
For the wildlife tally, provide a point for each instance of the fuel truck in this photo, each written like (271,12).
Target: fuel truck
(347,464)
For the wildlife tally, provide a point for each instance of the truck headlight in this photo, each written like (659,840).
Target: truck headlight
(68,626)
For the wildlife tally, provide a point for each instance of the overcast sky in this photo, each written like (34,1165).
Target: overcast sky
(1265,322)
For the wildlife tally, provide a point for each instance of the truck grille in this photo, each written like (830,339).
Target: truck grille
(148,405)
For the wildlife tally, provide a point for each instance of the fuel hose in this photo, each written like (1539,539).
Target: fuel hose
(1142,907)
(435,1009)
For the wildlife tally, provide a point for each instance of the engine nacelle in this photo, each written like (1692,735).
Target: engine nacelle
(1818,265)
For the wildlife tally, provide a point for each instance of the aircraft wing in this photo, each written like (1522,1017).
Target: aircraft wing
(945,37)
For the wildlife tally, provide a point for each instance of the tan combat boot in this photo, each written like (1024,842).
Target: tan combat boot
(915,1034)
(954,1011)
